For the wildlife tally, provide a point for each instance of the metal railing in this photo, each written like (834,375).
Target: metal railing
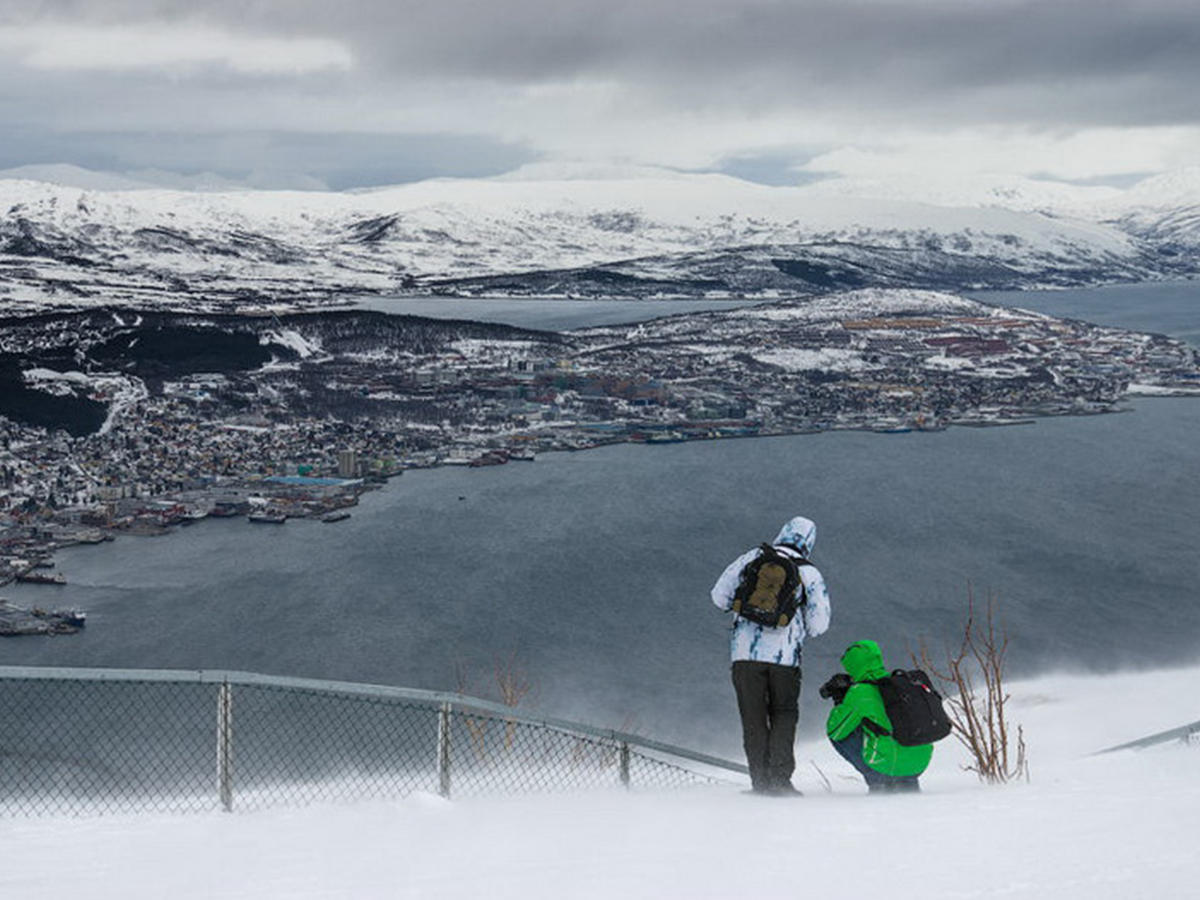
(91,741)
(1185,733)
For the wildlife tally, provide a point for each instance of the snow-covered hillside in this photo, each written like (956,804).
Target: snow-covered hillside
(626,233)
(1163,211)
(1001,191)
(1112,827)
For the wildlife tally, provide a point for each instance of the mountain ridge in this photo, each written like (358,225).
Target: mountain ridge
(683,235)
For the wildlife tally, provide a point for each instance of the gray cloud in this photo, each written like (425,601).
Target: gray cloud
(1068,61)
(915,64)
(340,161)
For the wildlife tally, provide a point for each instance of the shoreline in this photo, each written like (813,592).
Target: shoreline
(292,499)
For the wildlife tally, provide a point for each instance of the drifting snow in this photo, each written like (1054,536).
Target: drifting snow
(1122,825)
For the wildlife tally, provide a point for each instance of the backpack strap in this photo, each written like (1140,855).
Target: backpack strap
(874,727)
(870,724)
(800,560)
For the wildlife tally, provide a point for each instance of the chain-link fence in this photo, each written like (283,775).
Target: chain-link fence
(90,741)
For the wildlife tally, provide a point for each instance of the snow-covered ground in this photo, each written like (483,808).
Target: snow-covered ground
(1122,825)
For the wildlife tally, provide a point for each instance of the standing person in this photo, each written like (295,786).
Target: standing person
(860,730)
(778,598)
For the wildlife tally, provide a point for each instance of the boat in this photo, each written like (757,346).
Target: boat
(338,515)
(267,518)
(74,618)
(16,621)
(491,458)
(522,455)
(42,578)
(665,437)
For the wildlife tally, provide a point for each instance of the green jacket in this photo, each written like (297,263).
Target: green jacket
(864,663)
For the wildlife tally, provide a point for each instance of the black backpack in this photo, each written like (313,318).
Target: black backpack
(913,707)
(766,592)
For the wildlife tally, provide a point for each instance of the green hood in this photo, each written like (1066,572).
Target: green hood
(863,661)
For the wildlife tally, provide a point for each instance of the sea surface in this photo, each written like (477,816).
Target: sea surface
(591,570)
(1169,307)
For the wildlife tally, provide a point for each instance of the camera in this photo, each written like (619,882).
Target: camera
(835,688)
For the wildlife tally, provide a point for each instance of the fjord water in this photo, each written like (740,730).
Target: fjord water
(594,568)
(1169,307)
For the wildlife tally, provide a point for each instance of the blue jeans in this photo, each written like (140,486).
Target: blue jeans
(850,749)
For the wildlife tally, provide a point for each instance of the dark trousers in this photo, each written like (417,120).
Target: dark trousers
(768,697)
(850,749)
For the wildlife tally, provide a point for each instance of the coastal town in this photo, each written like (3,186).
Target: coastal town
(301,414)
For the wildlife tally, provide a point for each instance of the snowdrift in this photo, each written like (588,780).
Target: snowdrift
(1120,825)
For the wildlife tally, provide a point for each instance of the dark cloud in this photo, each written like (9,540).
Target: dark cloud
(1069,61)
(903,64)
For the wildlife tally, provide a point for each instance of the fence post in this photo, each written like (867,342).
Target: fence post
(225,745)
(623,763)
(443,750)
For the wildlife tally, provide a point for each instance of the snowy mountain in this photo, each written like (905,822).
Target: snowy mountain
(625,233)
(1013,192)
(1163,212)
(66,175)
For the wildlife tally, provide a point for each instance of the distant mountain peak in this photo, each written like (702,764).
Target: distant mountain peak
(589,171)
(1175,188)
(1015,192)
(67,175)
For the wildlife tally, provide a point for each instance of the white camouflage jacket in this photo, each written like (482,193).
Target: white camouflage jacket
(762,643)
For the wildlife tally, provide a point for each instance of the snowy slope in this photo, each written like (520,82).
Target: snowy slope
(1003,191)
(74,176)
(616,232)
(1171,189)
(1163,211)
(1123,826)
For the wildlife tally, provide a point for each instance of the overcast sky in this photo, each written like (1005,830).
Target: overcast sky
(350,93)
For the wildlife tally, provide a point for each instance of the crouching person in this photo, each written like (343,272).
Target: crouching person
(862,732)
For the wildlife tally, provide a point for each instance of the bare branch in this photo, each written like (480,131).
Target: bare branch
(979,719)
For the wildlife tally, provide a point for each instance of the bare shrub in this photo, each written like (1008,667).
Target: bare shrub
(512,686)
(512,681)
(973,681)
(476,727)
